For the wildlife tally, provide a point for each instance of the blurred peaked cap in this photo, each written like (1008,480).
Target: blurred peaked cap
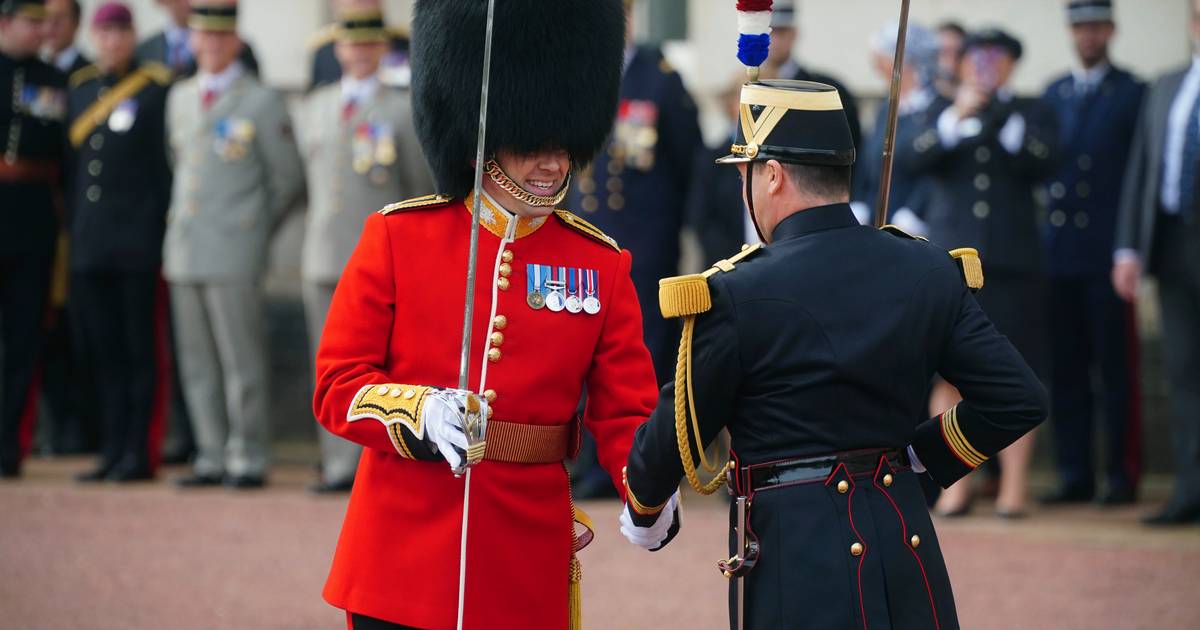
(112,14)
(994,37)
(1083,11)
(213,15)
(783,14)
(35,9)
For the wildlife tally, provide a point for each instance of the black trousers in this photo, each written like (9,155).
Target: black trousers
(363,622)
(1092,335)
(115,312)
(1177,266)
(24,285)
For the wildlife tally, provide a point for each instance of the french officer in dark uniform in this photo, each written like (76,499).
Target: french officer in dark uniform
(816,352)
(1097,105)
(32,111)
(983,156)
(120,188)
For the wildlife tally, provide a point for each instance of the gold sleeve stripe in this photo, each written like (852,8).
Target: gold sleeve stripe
(398,441)
(958,442)
(636,505)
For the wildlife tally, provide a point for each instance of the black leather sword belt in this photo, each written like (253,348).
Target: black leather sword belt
(809,469)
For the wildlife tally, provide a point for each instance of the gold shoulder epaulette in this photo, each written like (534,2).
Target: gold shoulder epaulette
(83,75)
(680,296)
(424,201)
(972,268)
(323,36)
(587,229)
(158,72)
(895,231)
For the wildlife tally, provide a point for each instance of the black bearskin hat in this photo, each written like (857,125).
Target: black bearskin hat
(555,79)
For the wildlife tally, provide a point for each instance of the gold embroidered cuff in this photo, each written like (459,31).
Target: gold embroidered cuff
(398,407)
(636,505)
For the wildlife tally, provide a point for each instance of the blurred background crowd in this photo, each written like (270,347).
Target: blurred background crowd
(183,182)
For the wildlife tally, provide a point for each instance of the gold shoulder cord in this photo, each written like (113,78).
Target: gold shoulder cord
(687,297)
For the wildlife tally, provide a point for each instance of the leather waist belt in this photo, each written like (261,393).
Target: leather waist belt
(518,443)
(29,171)
(808,469)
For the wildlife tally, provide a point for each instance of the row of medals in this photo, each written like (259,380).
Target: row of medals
(372,156)
(558,300)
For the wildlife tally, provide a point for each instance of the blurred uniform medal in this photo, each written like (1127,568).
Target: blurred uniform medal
(123,117)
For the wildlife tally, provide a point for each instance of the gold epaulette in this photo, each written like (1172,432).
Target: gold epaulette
(158,72)
(83,75)
(681,296)
(972,267)
(587,229)
(895,231)
(424,201)
(325,35)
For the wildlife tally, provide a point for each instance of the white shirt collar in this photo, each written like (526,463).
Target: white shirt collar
(221,81)
(359,90)
(1091,76)
(66,57)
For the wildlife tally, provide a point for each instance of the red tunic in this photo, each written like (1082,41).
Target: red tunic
(396,317)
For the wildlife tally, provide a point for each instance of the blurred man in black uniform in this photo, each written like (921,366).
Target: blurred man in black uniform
(984,154)
(715,210)
(816,351)
(120,190)
(781,63)
(394,70)
(62,25)
(1097,105)
(635,190)
(171,47)
(31,124)
(951,36)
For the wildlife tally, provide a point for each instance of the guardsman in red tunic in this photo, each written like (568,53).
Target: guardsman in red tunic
(555,313)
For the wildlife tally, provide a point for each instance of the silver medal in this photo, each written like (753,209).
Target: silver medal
(555,301)
(574,304)
(591,305)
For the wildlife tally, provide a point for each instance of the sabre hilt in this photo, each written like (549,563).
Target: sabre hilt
(474,428)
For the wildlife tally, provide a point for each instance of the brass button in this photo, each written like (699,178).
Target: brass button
(94,168)
(395,393)
(1083,190)
(1085,162)
(589,203)
(856,549)
(494,355)
(500,322)
(502,284)
(507,256)
(96,142)
(410,394)
(981,210)
(1081,220)
(982,182)
(490,412)
(382,390)
(93,193)
(983,154)
(497,339)
(489,395)
(505,270)
(915,541)
(1058,218)
(887,480)
(843,486)
(614,184)
(1058,190)
(616,201)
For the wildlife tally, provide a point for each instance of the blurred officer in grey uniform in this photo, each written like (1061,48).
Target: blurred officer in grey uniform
(394,70)
(237,172)
(361,153)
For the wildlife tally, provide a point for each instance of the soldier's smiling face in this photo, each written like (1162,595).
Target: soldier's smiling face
(215,50)
(542,173)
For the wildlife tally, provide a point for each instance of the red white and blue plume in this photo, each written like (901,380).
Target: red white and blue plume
(754,34)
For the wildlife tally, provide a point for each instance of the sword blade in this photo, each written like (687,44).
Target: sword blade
(889,139)
(464,367)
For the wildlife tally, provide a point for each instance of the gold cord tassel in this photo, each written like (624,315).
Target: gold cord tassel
(575,595)
(685,401)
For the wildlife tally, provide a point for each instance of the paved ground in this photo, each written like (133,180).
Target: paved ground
(150,556)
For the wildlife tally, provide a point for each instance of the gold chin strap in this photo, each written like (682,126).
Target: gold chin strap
(501,179)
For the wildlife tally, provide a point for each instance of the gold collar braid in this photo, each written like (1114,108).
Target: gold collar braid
(497,174)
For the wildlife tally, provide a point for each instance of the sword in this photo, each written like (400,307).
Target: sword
(741,545)
(889,139)
(473,423)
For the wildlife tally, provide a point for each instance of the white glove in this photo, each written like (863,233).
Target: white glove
(442,418)
(656,535)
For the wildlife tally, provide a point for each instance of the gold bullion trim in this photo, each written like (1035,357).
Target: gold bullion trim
(396,406)
(824,101)
(585,228)
(638,506)
(972,266)
(957,440)
(424,201)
